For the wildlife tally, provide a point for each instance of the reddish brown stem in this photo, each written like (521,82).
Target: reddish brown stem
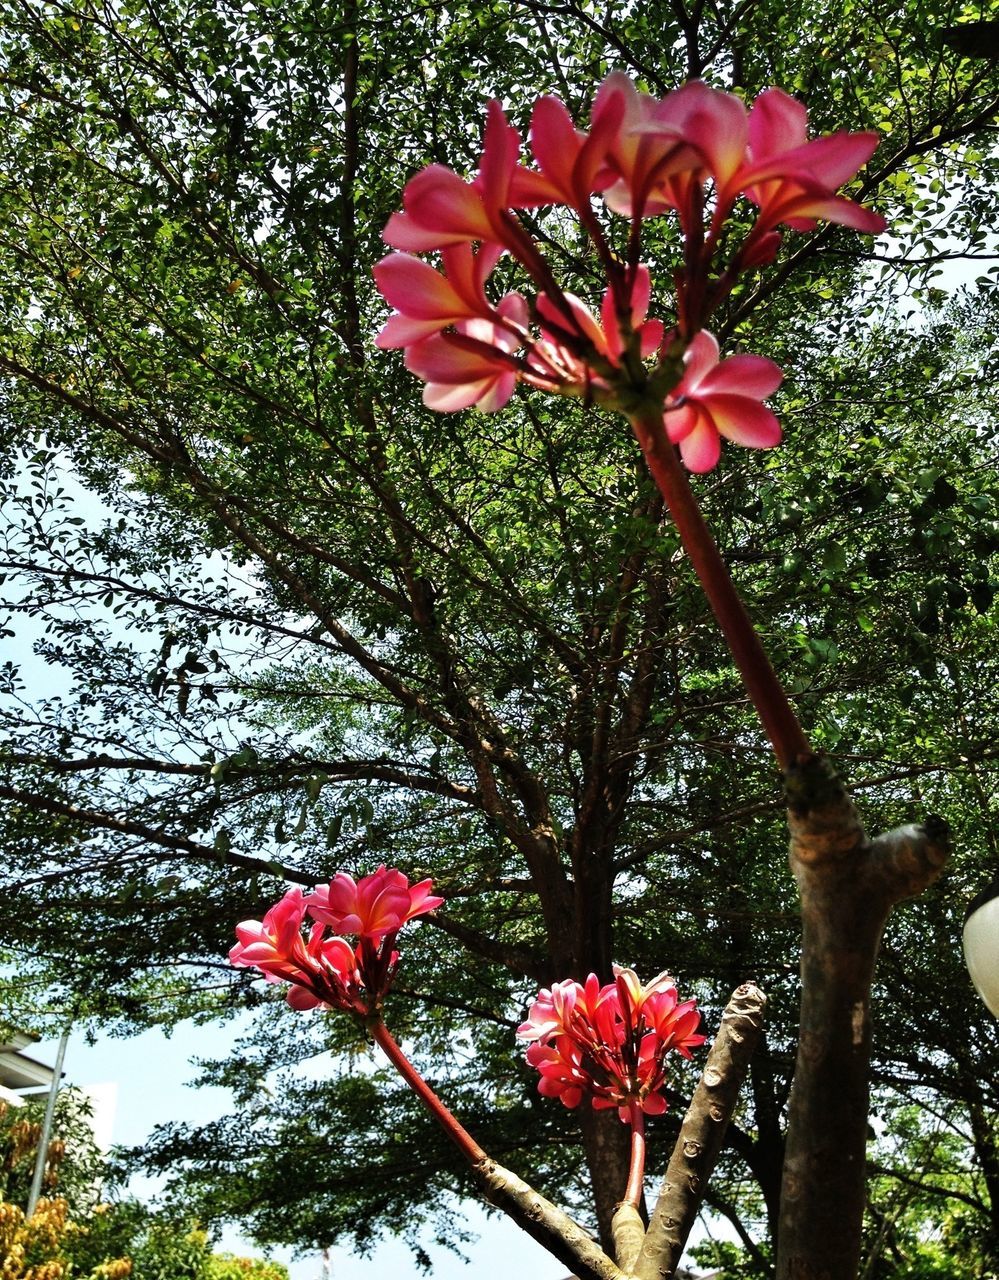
(764,689)
(461,1138)
(636,1172)
(545,1222)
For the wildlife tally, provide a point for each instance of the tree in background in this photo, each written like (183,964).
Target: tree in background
(357,633)
(74,1165)
(74,1233)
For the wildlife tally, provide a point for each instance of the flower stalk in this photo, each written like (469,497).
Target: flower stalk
(460,1136)
(765,690)
(636,1170)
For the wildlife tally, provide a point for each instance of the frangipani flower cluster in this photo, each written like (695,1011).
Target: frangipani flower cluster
(609,1043)
(690,155)
(330,970)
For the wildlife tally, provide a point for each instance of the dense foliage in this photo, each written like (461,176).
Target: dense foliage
(292,621)
(74,1231)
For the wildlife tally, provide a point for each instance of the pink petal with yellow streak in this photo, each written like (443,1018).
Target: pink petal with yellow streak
(700,357)
(487,394)
(500,147)
(711,120)
(438,360)
(401,232)
(837,209)
(498,394)
(555,143)
(827,162)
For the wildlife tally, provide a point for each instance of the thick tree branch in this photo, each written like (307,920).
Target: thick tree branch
(546,1223)
(847,885)
(702,1134)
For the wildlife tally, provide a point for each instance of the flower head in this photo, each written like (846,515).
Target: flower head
(608,1043)
(428,301)
(321,970)
(472,366)
(689,155)
(794,180)
(373,906)
(325,969)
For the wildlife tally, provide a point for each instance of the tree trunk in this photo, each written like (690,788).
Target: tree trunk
(848,885)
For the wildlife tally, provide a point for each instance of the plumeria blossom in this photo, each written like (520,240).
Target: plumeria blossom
(690,156)
(607,336)
(642,156)
(693,134)
(428,301)
(794,181)
(609,1043)
(573,164)
(440,208)
(321,970)
(329,970)
(373,906)
(716,398)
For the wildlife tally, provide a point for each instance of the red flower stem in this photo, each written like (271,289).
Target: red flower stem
(636,1171)
(461,1138)
(765,690)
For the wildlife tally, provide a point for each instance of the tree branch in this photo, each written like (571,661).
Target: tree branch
(701,1134)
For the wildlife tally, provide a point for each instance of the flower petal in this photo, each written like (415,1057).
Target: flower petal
(745,421)
(743,375)
(701,449)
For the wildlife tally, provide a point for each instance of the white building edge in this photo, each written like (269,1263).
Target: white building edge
(19,1072)
(22,1076)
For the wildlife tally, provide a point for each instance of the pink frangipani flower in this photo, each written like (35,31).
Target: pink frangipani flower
(608,1043)
(373,906)
(642,153)
(428,301)
(321,970)
(712,126)
(330,970)
(440,209)
(612,334)
(793,180)
(572,163)
(716,398)
(691,155)
(472,366)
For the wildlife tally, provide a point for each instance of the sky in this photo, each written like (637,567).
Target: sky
(151,1074)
